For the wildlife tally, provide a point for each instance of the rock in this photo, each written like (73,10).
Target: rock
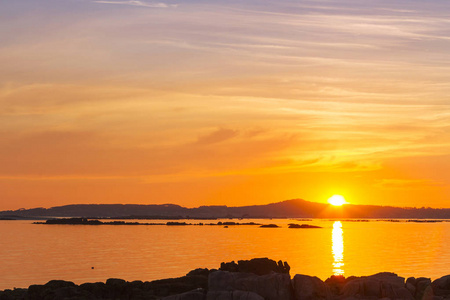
(115,282)
(97,289)
(173,286)
(233,295)
(258,266)
(411,285)
(230,267)
(441,286)
(380,285)
(197,294)
(310,288)
(272,286)
(54,289)
(199,271)
(67,293)
(442,283)
(54,284)
(307,226)
(284,267)
(336,283)
(13,294)
(117,288)
(269,226)
(423,286)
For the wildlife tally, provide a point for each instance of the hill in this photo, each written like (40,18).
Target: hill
(296,208)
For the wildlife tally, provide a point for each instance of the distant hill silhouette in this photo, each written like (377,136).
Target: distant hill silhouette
(296,208)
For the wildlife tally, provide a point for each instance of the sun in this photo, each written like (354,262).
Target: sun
(337,200)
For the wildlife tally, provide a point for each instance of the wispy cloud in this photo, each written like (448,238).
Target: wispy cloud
(217,136)
(139,3)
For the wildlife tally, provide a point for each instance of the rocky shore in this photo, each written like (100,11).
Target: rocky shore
(256,279)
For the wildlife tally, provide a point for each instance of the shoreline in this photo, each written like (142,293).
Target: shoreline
(255,279)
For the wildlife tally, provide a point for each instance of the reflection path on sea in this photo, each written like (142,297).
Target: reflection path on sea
(337,248)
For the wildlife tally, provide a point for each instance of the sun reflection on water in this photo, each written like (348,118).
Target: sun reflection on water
(337,248)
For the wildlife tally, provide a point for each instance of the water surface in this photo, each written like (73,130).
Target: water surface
(31,254)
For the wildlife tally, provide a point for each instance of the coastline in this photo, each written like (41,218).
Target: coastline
(255,279)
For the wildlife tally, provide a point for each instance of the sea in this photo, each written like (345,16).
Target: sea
(36,253)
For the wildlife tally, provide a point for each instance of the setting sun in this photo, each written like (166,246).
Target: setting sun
(337,200)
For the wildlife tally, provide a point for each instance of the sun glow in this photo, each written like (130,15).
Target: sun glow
(337,200)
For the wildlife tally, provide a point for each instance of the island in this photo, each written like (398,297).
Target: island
(96,222)
(292,225)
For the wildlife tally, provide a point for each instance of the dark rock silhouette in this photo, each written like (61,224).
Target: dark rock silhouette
(269,226)
(258,266)
(273,286)
(381,285)
(233,295)
(197,294)
(440,287)
(337,282)
(256,279)
(310,288)
(303,226)
(88,221)
(74,221)
(176,223)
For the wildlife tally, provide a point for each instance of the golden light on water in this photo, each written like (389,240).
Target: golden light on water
(337,248)
(337,200)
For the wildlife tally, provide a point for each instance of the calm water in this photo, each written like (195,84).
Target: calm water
(32,254)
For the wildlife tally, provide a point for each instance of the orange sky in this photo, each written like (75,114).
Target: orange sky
(224,102)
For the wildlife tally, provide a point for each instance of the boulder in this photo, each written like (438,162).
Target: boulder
(381,285)
(233,295)
(411,285)
(274,286)
(117,288)
(423,288)
(442,283)
(200,272)
(97,289)
(13,294)
(173,286)
(336,283)
(441,286)
(197,294)
(310,288)
(55,290)
(258,266)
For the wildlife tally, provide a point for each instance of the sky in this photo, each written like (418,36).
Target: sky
(224,102)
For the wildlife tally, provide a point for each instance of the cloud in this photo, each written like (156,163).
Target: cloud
(138,3)
(217,136)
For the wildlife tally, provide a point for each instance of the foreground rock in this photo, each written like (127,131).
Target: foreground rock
(274,286)
(196,280)
(310,288)
(256,279)
(258,266)
(378,286)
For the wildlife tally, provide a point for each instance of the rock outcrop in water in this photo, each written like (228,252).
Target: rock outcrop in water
(256,279)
